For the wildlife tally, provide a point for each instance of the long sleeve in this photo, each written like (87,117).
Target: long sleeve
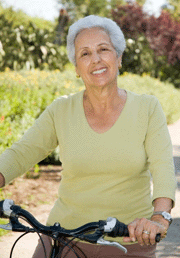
(33,147)
(159,152)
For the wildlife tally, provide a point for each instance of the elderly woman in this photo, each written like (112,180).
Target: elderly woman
(111,142)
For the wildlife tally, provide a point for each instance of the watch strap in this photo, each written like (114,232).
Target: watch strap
(164,214)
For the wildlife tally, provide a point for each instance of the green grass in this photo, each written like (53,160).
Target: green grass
(2,231)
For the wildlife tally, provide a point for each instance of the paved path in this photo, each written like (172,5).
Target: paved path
(169,247)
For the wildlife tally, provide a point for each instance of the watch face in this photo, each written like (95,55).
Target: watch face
(167,216)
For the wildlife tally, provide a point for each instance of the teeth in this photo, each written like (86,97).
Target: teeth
(99,71)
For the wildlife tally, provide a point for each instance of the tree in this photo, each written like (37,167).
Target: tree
(28,47)
(81,8)
(176,11)
(162,35)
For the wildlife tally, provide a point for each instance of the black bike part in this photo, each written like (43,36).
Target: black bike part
(1,209)
(18,227)
(64,242)
(42,242)
(92,238)
(55,249)
(56,230)
(84,229)
(12,249)
(158,238)
(2,215)
(121,230)
(21,228)
(56,252)
(67,243)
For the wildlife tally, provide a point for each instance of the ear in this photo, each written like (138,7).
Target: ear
(120,61)
(77,73)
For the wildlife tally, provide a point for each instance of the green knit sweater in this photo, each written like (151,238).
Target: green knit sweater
(104,174)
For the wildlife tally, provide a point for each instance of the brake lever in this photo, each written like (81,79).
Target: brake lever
(108,227)
(101,241)
(6,226)
(97,238)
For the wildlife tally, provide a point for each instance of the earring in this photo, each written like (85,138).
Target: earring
(77,76)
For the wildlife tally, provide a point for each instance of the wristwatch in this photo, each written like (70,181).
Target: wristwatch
(165,215)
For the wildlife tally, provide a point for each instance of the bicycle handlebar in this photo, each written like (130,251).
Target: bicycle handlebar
(111,227)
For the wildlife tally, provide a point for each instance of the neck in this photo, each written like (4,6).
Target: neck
(102,99)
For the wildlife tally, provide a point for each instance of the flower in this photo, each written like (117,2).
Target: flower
(130,41)
(2,119)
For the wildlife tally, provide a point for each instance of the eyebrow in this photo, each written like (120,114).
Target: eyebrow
(82,48)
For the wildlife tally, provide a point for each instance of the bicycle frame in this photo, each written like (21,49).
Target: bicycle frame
(55,249)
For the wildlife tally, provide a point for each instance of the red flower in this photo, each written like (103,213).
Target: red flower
(2,119)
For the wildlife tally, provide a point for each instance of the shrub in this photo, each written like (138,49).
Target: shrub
(138,57)
(30,47)
(168,96)
(24,95)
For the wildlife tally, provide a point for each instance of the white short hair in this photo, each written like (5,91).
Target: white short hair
(91,21)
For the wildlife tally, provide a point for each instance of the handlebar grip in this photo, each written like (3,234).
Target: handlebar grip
(121,230)
(1,208)
(5,208)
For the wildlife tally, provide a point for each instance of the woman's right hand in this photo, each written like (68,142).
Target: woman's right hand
(2,180)
(144,231)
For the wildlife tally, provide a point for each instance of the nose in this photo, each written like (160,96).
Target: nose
(96,58)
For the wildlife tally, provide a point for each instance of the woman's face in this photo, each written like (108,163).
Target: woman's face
(96,59)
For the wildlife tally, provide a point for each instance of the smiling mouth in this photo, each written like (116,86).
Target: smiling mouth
(99,71)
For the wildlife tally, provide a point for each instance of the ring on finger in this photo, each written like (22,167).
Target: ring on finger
(146,232)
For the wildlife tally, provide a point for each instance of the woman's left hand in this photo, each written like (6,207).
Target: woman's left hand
(144,231)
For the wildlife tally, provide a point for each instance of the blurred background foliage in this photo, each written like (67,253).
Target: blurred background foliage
(20,18)
(28,43)
(153,44)
(176,11)
(81,8)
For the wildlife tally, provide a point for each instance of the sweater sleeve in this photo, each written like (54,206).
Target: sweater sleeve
(159,153)
(33,147)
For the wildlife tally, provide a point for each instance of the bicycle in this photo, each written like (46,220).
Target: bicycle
(92,232)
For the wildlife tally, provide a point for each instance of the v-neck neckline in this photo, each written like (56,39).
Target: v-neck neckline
(116,122)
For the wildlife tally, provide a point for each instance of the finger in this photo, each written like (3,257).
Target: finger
(153,236)
(143,238)
(155,229)
(139,236)
(132,227)
(127,239)
(146,236)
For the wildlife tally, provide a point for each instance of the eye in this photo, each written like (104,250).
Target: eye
(104,49)
(84,54)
